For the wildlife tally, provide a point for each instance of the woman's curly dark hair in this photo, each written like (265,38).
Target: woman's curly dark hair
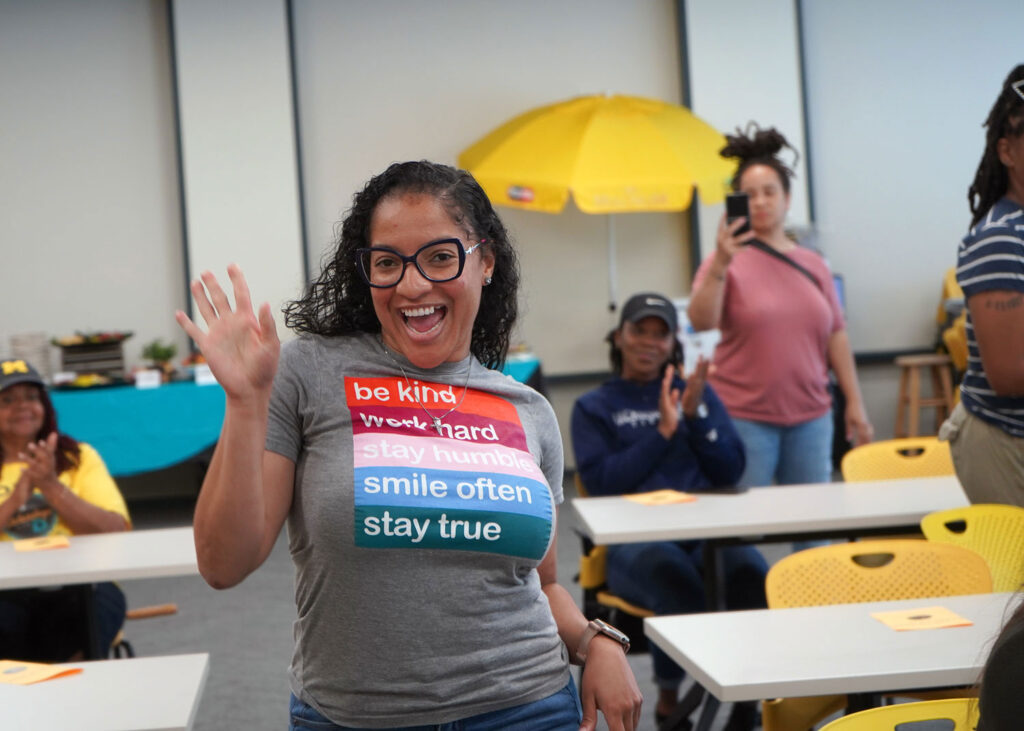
(338,302)
(67,453)
(1005,119)
(756,146)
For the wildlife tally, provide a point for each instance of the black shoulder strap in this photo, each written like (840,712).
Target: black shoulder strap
(761,246)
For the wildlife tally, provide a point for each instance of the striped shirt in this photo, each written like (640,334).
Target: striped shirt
(991,257)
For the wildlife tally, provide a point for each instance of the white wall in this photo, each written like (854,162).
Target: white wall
(89,215)
(238,145)
(388,81)
(897,93)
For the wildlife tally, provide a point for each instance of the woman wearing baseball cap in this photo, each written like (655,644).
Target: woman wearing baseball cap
(50,485)
(648,429)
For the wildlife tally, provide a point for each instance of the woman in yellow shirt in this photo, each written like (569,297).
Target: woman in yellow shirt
(50,484)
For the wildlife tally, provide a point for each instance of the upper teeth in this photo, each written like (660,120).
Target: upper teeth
(419,312)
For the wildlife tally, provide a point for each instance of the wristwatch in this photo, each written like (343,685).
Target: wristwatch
(596,627)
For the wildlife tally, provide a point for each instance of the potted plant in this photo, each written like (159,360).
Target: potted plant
(160,355)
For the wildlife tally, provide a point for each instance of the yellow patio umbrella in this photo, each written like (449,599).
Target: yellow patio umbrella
(614,154)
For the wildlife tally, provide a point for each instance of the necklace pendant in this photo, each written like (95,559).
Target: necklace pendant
(437,424)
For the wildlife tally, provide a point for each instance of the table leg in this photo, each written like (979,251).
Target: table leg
(679,719)
(707,713)
(714,581)
(90,630)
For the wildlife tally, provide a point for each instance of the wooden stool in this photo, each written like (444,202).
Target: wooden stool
(910,391)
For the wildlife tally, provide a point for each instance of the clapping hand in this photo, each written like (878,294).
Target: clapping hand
(693,394)
(240,347)
(671,401)
(41,459)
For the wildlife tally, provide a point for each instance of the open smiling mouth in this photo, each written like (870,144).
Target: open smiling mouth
(424,319)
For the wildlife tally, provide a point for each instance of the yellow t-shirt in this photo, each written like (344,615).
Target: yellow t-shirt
(89,481)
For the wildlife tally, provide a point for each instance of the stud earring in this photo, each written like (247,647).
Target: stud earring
(487,281)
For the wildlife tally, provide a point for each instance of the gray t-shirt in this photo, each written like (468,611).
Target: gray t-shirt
(415,548)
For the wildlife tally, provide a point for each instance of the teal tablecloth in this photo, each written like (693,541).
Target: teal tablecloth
(142,429)
(138,430)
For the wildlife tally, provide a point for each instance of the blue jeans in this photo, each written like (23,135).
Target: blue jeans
(560,711)
(667,578)
(787,455)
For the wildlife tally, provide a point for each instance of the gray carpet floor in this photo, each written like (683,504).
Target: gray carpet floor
(247,629)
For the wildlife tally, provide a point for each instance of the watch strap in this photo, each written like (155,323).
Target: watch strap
(594,628)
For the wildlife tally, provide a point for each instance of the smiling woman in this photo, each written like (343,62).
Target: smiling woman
(408,319)
(51,485)
(648,429)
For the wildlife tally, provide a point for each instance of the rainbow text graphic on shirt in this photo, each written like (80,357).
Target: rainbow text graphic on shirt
(471,485)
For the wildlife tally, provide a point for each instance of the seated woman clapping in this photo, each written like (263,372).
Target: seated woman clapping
(51,484)
(647,429)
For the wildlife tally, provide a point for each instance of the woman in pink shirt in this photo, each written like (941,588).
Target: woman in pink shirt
(782,328)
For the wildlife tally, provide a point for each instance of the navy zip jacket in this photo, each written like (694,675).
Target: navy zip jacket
(619,450)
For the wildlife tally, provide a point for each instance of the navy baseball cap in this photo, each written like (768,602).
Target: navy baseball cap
(15,371)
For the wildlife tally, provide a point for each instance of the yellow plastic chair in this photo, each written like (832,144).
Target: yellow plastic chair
(896,458)
(996,532)
(954,338)
(865,571)
(963,712)
(951,290)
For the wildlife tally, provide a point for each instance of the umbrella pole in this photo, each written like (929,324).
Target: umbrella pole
(612,298)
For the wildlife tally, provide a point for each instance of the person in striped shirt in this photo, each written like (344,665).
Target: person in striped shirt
(986,430)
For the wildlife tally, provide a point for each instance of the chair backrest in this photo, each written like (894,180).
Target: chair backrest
(963,712)
(593,565)
(895,458)
(994,531)
(866,571)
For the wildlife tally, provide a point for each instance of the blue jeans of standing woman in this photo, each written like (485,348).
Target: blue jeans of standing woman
(787,455)
(560,711)
(667,578)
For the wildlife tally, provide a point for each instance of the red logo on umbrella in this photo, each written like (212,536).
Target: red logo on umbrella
(521,193)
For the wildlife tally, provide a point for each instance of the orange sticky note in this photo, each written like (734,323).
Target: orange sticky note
(43,543)
(662,497)
(923,618)
(15,672)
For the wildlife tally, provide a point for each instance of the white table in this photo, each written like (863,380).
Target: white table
(767,514)
(111,695)
(143,554)
(760,513)
(773,653)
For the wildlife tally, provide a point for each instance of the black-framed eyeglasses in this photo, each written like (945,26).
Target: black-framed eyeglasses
(438,261)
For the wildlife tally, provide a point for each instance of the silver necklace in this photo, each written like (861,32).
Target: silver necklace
(435,420)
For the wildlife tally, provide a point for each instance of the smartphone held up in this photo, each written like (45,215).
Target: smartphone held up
(737,205)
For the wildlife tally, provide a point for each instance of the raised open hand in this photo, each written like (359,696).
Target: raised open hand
(240,348)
